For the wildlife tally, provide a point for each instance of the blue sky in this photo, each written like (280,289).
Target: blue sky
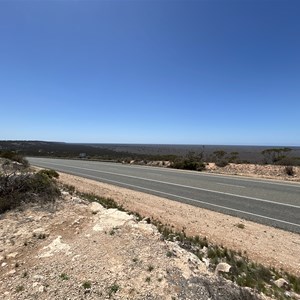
(174,72)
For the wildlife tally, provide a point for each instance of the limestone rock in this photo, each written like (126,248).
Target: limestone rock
(222,267)
(95,207)
(281,283)
(12,255)
(56,247)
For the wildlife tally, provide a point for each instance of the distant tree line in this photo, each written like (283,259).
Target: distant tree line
(280,156)
(191,161)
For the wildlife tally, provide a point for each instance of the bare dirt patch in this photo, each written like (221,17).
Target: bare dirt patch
(256,170)
(80,250)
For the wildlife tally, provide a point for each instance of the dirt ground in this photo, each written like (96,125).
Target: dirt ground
(267,245)
(257,171)
(74,249)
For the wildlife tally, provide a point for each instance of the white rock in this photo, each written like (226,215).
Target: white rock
(12,255)
(38,277)
(222,267)
(56,247)
(111,218)
(95,207)
(281,283)
(204,250)
(42,289)
(287,294)
(206,261)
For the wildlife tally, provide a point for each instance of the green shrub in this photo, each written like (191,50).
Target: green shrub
(87,285)
(113,289)
(187,164)
(150,268)
(19,288)
(289,161)
(50,173)
(26,188)
(15,157)
(106,202)
(64,276)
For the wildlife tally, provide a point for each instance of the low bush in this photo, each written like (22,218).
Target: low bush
(187,164)
(15,157)
(289,161)
(222,163)
(289,170)
(16,190)
(50,173)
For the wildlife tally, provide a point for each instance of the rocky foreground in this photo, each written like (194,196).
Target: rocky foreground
(80,250)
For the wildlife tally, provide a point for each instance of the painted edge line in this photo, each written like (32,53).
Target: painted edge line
(181,185)
(190,199)
(203,173)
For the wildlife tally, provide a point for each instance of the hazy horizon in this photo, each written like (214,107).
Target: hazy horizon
(152,144)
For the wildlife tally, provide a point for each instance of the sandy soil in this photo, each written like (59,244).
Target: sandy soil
(269,246)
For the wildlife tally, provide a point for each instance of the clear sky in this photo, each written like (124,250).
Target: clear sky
(174,72)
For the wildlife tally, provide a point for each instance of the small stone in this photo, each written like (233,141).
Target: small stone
(38,277)
(287,294)
(204,250)
(12,255)
(281,283)
(11,272)
(42,289)
(222,267)
(40,233)
(206,261)
(3,264)
(95,207)
(160,277)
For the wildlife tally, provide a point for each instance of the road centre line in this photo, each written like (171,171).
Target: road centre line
(234,185)
(180,185)
(189,199)
(207,174)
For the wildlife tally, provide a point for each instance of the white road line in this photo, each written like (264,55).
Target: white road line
(180,185)
(207,174)
(189,199)
(203,173)
(235,185)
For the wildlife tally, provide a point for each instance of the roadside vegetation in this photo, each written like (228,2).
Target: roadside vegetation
(19,186)
(191,161)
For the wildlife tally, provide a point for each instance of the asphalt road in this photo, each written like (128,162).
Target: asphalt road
(267,202)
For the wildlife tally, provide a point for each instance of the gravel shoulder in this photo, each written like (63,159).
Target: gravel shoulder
(263,244)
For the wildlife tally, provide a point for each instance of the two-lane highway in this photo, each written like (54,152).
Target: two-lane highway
(265,201)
